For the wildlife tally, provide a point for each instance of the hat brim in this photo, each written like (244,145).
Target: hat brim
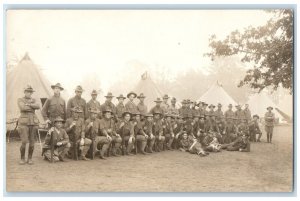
(108,96)
(53,86)
(121,97)
(29,90)
(157,101)
(141,96)
(106,111)
(63,121)
(135,95)
(270,108)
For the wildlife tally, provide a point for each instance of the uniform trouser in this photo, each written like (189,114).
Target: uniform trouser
(115,143)
(226,139)
(128,145)
(197,149)
(86,146)
(160,141)
(269,131)
(102,141)
(233,137)
(58,152)
(141,142)
(232,148)
(151,142)
(27,134)
(169,140)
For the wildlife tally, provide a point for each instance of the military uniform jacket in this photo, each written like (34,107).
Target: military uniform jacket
(184,111)
(120,109)
(219,114)
(188,127)
(240,143)
(138,128)
(109,105)
(93,131)
(156,109)
(157,127)
(173,110)
(28,116)
(168,128)
(148,127)
(243,128)
(185,144)
(126,130)
(93,104)
(239,114)
(76,102)
(54,107)
(229,114)
(60,136)
(107,126)
(207,140)
(253,127)
(131,107)
(269,119)
(211,113)
(142,108)
(165,107)
(230,128)
(77,131)
(247,114)
(212,125)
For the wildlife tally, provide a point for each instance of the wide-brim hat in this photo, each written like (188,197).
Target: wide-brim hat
(168,115)
(173,99)
(270,107)
(157,112)
(141,96)
(76,110)
(183,102)
(94,92)
(219,105)
(126,112)
(109,95)
(202,117)
(237,106)
(204,104)
(256,116)
(158,100)
(57,85)
(148,115)
(79,88)
(188,101)
(121,97)
(137,113)
(166,96)
(29,89)
(107,110)
(59,119)
(94,110)
(211,105)
(135,95)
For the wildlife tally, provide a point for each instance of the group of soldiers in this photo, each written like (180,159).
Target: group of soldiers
(81,129)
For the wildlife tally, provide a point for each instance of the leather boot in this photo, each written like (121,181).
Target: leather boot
(22,151)
(271,135)
(30,152)
(268,137)
(129,149)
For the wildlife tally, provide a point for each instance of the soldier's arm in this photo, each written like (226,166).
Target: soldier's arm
(67,126)
(34,104)
(103,129)
(83,129)
(84,110)
(65,137)
(69,105)
(22,106)
(247,149)
(45,109)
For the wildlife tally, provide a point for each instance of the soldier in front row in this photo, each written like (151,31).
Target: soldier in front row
(168,131)
(60,140)
(254,129)
(126,131)
(140,136)
(27,123)
(158,130)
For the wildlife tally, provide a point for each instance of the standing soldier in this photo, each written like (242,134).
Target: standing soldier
(173,109)
(75,129)
(142,108)
(54,106)
(157,107)
(201,109)
(247,113)
(148,129)
(219,113)
(269,123)
(229,114)
(108,104)
(93,103)
(27,123)
(254,129)
(60,140)
(211,111)
(230,130)
(205,109)
(182,110)
(130,105)
(77,101)
(194,111)
(92,131)
(108,129)
(239,114)
(168,131)
(140,136)
(201,128)
(158,130)
(120,108)
(165,106)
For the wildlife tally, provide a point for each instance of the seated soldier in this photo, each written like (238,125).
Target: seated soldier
(221,127)
(211,143)
(158,130)
(241,144)
(168,131)
(254,129)
(126,129)
(230,130)
(60,140)
(190,144)
(108,129)
(201,132)
(243,128)
(76,130)
(140,136)
(178,130)
(92,131)
(148,129)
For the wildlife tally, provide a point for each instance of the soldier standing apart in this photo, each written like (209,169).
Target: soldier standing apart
(27,123)
(92,131)
(142,108)
(148,129)
(77,101)
(54,106)
(120,108)
(75,127)
(60,140)
(269,123)
(130,105)
(109,105)
(108,129)
(165,106)
(93,103)
(254,129)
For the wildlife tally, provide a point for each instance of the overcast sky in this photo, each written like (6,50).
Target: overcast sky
(70,44)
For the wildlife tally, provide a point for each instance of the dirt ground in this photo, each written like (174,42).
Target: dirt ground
(267,168)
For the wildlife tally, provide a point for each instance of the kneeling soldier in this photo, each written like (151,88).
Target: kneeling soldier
(140,136)
(126,130)
(168,131)
(75,128)
(148,129)
(57,138)
(158,130)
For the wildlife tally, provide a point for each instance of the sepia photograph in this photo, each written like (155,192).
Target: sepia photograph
(149,100)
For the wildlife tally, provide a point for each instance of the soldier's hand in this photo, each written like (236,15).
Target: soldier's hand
(122,124)
(59,143)
(73,124)
(81,142)
(172,135)
(51,129)
(91,124)
(108,137)
(48,121)
(118,135)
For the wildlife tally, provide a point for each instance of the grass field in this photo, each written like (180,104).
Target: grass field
(267,168)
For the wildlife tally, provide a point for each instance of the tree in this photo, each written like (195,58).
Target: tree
(268,48)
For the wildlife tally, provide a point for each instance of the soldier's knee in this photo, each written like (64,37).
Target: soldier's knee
(68,145)
(87,141)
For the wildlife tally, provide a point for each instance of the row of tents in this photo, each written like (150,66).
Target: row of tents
(26,72)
